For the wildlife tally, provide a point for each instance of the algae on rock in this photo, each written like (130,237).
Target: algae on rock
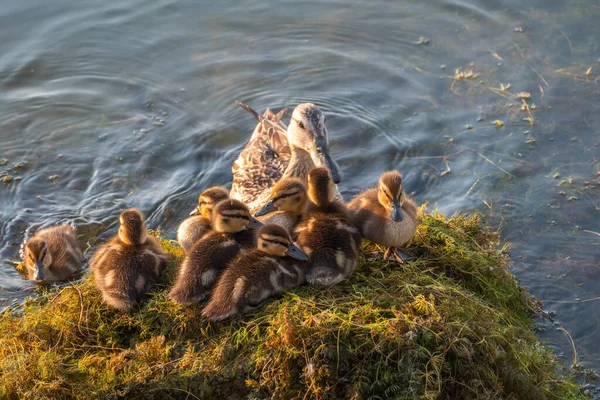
(452,323)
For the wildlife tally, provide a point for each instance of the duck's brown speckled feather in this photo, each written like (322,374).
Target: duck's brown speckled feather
(263,160)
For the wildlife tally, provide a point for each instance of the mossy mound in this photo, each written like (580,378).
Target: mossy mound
(451,324)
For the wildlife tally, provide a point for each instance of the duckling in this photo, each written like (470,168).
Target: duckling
(386,215)
(128,264)
(286,205)
(328,234)
(198,224)
(53,254)
(209,255)
(276,265)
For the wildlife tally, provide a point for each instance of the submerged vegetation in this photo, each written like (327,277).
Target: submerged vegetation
(452,323)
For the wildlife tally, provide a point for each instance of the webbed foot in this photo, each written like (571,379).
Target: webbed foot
(397,254)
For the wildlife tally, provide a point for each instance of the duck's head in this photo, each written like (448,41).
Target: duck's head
(321,189)
(275,240)
(233,216)
(37,257)
(307,131)
(132,229)
(289,194)
(390,193)
(208,199)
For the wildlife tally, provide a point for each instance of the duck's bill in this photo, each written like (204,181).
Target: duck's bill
(396,211)
(323,158)
(334,168)
(294,251)
(38,274)
(267,208)
(254,223)
(195,211)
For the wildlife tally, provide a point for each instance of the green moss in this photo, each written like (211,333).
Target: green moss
(452,323)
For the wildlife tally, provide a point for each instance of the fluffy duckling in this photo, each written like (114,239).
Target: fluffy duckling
(271,268)
(386,215)
(328,234)
(208,256)
(286,205)
(128,264)
(198,224)
(53,254)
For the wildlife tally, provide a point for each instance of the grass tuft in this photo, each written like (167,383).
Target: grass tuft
(452,323)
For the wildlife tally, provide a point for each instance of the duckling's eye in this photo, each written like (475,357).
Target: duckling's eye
(300,124)
(225,220)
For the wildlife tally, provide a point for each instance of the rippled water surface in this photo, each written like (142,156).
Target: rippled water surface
(109,105)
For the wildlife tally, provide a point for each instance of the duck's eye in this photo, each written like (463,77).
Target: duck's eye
(324,120)
(300,124)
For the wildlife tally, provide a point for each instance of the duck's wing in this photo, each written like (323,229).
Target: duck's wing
(271,125)
(262,161)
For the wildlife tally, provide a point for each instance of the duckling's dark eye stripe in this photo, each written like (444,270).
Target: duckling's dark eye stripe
(284,196)
(241,216)
(276,242)
(386,193)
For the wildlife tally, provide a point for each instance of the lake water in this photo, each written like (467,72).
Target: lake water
(107,105)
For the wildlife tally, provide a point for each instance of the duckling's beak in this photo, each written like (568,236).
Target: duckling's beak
(267,208)
(254,223)
(294,251)
(396,211)
(323,158)
(38,274)
(195,211)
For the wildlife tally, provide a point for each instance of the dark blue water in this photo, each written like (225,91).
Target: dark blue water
(110,105)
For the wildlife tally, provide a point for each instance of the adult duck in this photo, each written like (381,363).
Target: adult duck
(278,151)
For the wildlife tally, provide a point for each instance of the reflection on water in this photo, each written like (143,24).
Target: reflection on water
(108,106)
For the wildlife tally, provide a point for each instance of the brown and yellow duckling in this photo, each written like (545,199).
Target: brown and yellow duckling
(198,224)
(208,257)
(53,254)
(386,215)
(129,264)
(274,266)
(328,234)
(286,205)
